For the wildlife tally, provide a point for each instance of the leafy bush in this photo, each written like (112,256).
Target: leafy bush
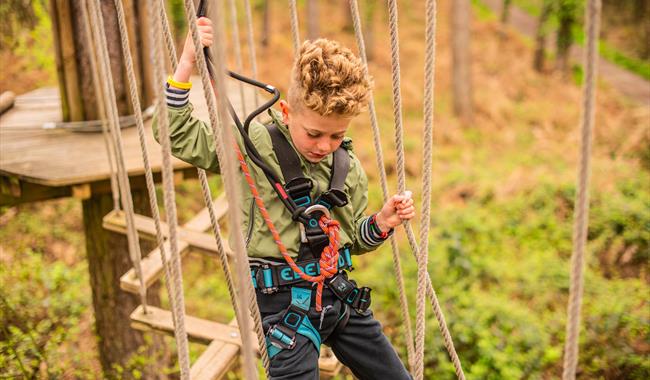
(42,305)
(501,272)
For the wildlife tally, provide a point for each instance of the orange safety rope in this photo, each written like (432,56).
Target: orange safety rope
(328,262)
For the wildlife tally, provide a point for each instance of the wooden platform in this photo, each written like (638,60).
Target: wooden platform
(37,163)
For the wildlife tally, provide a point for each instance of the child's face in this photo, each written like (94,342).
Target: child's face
(313,135)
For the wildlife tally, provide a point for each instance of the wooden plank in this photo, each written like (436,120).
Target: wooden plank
(28,192)
(202,218)
(215,361)
(81,191)
(204,331)
(152,268)
(198,330)
(151,264)
(329,365)
(116,221)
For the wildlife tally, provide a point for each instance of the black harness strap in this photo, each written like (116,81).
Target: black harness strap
(335,196)
(299,187)
(294,179)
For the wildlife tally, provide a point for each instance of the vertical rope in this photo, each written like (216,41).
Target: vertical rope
(581,215)
(168,184)
(397,115)
(235,43)
(429,75)
(246,287)
(422,273)
(230,178)
(151,187)
(295,30)
(401,186)
(207,196)
(113,117)
(251,45)
(397,266)
(115,190)
(420,306)
(167,34)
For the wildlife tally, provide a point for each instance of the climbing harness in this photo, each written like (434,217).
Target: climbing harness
(299,187)
(282,336)
(269,278)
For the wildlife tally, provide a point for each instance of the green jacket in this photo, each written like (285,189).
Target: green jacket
(192,142)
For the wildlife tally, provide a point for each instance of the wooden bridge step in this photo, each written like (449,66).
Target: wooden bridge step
(216,360)
(198,330)
(190,235)
(224,341)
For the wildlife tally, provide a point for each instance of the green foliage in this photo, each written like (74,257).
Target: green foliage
(501,272)
(482,11)
(27,31)
(41,308)
(176,12)
(632,64)
(577,74)
(573,9)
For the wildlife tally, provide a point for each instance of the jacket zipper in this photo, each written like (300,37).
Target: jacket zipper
(251,222)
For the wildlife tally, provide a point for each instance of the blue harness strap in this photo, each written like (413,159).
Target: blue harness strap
(269,278)
(282,336)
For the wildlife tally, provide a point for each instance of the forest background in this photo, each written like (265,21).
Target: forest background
(504,183)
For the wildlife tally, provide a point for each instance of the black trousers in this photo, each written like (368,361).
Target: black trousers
(356,339)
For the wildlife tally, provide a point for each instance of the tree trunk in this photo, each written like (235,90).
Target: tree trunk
(266,23)
(368,29)
(313,27)
(348,25)
(66,63)
(461,76)
(107,253)
(73,55)
(505,11)
(564,39)
(540,37)
(108,259)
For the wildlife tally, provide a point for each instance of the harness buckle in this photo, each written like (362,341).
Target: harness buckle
(334,197)
(281,337)
(299,187)
(264,279)
(363,301)
(348,292)
(341,287)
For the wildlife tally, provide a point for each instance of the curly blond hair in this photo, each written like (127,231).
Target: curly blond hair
(329,79)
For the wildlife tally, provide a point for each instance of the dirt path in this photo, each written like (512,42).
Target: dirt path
(629,84)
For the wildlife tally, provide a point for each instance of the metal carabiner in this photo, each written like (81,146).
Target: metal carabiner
(308,211)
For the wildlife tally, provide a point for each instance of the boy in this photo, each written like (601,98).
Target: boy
(328,87)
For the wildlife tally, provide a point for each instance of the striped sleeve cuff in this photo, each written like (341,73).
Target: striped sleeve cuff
(176,97)
(370,232)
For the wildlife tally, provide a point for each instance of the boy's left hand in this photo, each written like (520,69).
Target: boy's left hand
(398,208)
